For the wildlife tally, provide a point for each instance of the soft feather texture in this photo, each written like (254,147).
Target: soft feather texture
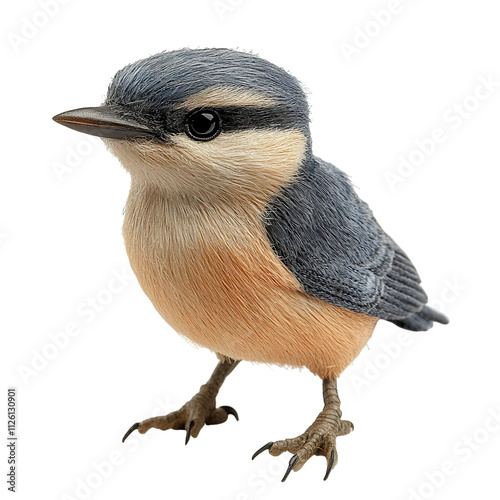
(333,245)
(155,86)
(201,254)
(221,95)
(247,244)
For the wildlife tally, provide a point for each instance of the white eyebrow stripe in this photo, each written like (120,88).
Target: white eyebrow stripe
(221,96)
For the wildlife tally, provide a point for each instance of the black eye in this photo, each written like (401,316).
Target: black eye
(203,125)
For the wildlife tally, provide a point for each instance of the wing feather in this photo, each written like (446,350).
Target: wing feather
(328,238)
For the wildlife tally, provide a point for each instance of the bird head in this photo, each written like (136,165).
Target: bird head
(207,122)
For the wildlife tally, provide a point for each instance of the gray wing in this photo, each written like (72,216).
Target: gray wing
(328,238)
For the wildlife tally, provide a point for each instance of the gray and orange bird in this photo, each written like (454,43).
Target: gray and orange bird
(244,241)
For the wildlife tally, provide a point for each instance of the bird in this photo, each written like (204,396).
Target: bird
(245,242)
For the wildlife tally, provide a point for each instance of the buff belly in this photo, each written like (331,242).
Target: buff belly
(214,278)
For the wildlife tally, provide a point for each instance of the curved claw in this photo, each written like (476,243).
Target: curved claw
(188,431)
(132,429)
(264,448)
(330,465)
(231,411)
(291,465)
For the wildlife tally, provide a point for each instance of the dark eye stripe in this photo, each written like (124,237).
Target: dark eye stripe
(236,118)
(249,117)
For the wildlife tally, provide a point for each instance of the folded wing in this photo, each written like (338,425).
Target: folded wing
(328,238)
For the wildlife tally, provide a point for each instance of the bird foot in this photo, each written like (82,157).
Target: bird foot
(318,439)
(197,412)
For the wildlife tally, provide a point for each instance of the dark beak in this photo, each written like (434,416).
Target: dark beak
(104,121)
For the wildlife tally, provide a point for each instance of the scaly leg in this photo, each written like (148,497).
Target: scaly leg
(319,438)
(197,412)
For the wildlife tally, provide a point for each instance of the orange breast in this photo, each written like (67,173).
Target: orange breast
(211,274)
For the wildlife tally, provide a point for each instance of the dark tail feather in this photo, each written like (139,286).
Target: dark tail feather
(433,315)
(422,320)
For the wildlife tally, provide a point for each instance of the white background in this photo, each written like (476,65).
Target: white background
(419,403)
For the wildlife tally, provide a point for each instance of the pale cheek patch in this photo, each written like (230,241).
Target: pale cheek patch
(253,160)
(252,163)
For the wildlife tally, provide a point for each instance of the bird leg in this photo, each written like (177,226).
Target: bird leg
(319,438)
(197,412)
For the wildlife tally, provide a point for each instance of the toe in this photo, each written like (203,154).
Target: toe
(292,445)
(218,416)
(189,427)
(264,448)
(132,429)
(292,465)
(331,463)
(197,425)
(345,427)
(162,423)
(315,441)
(231,411)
